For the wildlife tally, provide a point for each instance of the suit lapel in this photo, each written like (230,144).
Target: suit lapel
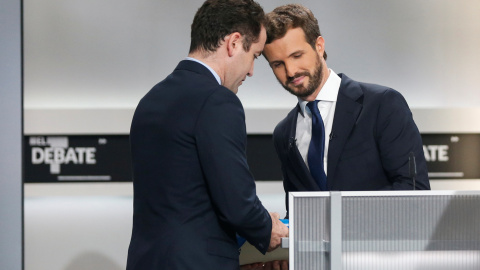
(305,180)
(348,108)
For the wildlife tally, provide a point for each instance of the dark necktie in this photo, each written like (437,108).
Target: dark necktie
(317,147)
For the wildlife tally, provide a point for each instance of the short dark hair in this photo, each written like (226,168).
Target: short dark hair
(286,17)
(216,19)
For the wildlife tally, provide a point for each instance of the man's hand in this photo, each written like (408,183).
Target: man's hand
(279,230)
(253,266)
(276,265)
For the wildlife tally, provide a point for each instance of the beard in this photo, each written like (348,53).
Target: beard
(313,82)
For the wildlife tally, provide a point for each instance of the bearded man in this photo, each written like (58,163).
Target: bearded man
(343,135)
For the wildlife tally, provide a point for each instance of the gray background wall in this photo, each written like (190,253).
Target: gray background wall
(11,220)
(108,54)
(87,64)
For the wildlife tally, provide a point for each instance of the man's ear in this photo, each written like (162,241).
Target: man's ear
(320,45)
(234,43)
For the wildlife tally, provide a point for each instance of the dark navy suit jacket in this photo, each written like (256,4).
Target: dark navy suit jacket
(192,186)
(372,135)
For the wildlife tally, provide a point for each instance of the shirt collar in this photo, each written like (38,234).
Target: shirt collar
(209,68)
(329,91)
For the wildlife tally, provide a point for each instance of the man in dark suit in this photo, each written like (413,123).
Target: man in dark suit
(343,134)
(193,191)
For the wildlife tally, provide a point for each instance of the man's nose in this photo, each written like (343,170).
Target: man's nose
(290,70)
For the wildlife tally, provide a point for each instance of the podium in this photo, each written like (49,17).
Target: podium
(378,230)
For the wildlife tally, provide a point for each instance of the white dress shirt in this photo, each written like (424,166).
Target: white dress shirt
(327,103)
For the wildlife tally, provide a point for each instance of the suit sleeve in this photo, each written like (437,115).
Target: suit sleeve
(220,135)
(397,136)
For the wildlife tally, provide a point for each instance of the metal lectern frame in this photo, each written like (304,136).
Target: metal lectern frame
(325,210)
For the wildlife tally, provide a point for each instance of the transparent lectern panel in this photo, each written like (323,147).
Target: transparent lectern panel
(311,216)
(411,232)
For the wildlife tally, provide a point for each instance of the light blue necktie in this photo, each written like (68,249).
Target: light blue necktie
(317,147)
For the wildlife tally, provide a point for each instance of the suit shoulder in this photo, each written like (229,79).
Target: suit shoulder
(221,103)
(379,92)
(185,94)
(385,99)
(188,85)
(367,88)
(224,101)
(374,89)
(382,93)
(373,96)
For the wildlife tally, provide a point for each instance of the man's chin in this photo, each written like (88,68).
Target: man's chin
(301,93)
